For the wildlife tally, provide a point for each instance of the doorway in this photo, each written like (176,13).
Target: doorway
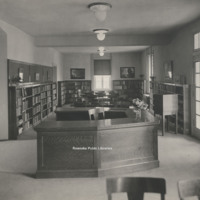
(196,100)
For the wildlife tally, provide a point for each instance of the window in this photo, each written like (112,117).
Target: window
(150,67)
(197,41)
(102,82)
(102,75)
(197,94)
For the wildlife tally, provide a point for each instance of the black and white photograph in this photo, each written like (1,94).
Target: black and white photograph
(100,100)
(127,72)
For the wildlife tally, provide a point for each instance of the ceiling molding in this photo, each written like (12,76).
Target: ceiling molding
(91,41)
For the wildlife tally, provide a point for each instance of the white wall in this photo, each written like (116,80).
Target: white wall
(77,60)
(179,50)
(59,63)
(117,60)
(126,60)
(20,46)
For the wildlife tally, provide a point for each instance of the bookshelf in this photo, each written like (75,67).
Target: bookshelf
(69,91)
(183,92)
(131,88)
(29,104)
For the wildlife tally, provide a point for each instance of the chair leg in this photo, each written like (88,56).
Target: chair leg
(109,197)
(176,123)
(162,197)
(168,123)
(163,125)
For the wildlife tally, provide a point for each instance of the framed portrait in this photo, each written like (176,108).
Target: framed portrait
(77,73)
(127,72)
(168,70)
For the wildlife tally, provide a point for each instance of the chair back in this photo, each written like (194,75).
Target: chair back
(189,188)
(100,114)
(135,187)
(92,114)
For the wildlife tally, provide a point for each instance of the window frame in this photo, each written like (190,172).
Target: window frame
(196,49)
(102,83)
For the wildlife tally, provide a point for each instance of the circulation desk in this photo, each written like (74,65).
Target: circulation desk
(98,147)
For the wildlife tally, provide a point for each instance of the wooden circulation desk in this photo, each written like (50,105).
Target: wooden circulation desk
(98,147)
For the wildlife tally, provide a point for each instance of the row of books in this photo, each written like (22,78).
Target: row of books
(36,109)
(49,93)
(36,119)
(125,82)
(43,101)
(45,88)
(36,90)
(26,104)
(26,116)
(43,95)
(36,99)
(54,86)
(49,99)
(44,107)
(83,83)
(169,88)
(26,92)
(54,92)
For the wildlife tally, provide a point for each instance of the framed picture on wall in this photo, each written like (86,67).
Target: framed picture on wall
(77,73)
(127,72)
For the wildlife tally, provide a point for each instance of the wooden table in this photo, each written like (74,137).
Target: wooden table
(97,147)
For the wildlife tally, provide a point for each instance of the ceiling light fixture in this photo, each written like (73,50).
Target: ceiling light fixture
(100,9)
(100,33)
(101,51)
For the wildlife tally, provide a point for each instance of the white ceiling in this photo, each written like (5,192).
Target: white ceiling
(73,18)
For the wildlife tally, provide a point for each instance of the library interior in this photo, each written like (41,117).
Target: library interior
(100,92)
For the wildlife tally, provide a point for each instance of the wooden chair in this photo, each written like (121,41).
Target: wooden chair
(189,188)
(135,187)
(92,114)
(100,114)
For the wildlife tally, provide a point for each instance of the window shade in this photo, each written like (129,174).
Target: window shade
(102,67)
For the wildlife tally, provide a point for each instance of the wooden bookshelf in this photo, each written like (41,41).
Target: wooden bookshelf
(131,88)
(68,91)
(29,104)
(183,92)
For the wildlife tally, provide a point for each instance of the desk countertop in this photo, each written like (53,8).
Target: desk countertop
(145,119)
